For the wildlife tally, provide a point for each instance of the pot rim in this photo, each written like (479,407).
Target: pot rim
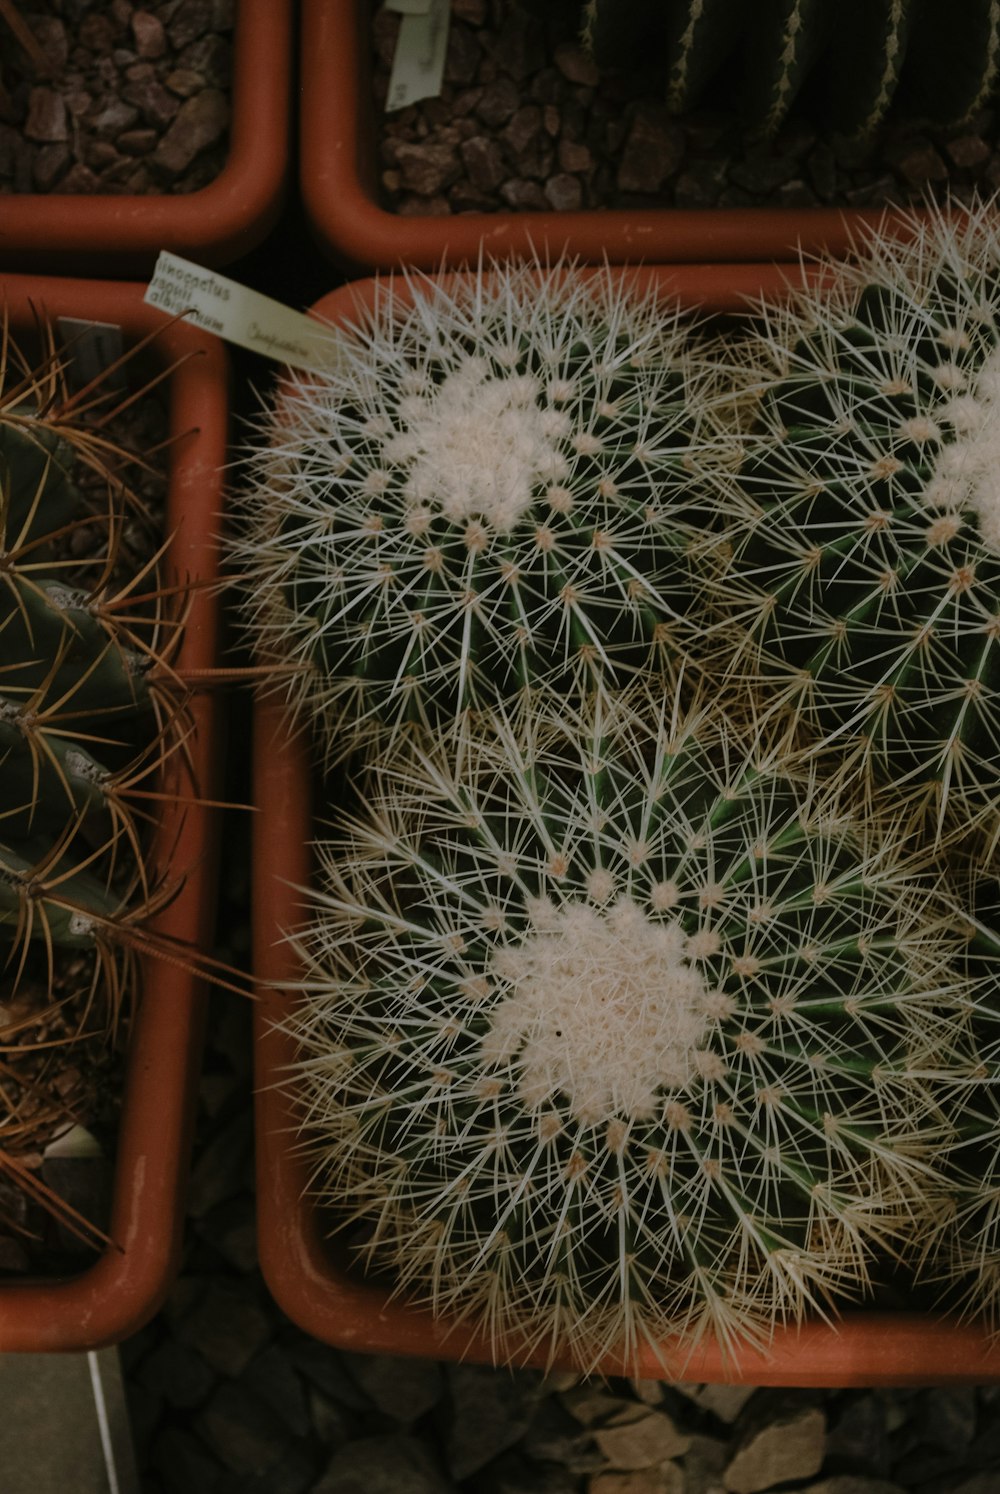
(339,175)
(216,224)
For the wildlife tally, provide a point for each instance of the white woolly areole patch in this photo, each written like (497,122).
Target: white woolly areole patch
(604,1011)
(966,474)
(478,446)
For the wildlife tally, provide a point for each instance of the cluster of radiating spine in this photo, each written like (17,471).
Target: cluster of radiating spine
(612,1025)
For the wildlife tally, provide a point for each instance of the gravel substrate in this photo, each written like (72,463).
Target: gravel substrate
(136,99)
(526,122)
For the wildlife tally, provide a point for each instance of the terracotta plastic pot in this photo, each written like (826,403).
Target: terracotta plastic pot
(123,234)
(308,1272)
(339,175)
(125,1286)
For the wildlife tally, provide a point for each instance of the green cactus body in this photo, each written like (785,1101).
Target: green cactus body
(951,61)
(781,49)
(618,32)
(51,900)
(861,70)
(78,722)
(868,563)
(605,1036)
(963,1252)
(485,493)
(701,36)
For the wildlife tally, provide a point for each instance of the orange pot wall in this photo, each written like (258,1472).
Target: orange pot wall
(308,1274)
(128,1282)
(122,235)
(339,175)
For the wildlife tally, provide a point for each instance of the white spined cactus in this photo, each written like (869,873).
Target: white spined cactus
(485,494)
(867,564)
(608,1032)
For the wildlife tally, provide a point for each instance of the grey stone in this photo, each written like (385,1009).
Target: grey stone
(402,1388)
(703,1464)
(137,142)
(50,163)
(500,99)
(574,156)
(462,57)
(323,1367)
(483,162)
(188,21)
(850,1483)
(574,64)
(227,1327)
(183,81)
(789,1446)
(524,196)
(653,149)
(295,1472)
(968,152)
(382,1465)
(50,34)
(156,104)
(555,1436)
(667,1478)
(426,167)
(513,1474)
(564,193)
(330,1422)
(231,1229)
(113,118)
(219,1171)
(46,119)
(947,1416)
(178,1374)
(147,30)
(200,121)
(473,12)
(522,129)
(860,1435)
(183,1463)
(490,1411)
(246,1434)
(643,1443)
(271,1377)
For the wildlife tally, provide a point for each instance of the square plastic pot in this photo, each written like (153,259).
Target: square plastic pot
(308,1272)
(339,178)
(122,235)
(127,1283)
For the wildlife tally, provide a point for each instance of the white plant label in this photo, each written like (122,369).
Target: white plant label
(239,315)
(418,64)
